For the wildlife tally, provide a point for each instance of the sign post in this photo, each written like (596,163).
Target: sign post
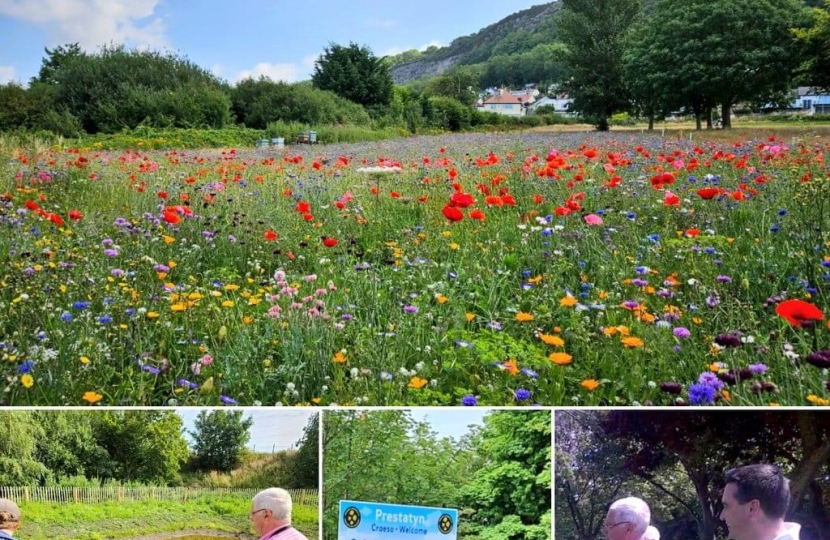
(359,520)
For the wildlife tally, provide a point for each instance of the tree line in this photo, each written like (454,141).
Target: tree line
(675,461)
(694,56)
(498,476)
(95,448)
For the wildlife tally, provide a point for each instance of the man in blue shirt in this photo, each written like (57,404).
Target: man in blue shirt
(9,519)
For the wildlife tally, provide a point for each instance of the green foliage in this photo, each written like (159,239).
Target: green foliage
(815,53)
(220,438)
(331,134)
(307,460)
(257,103)
(354,73)
(447,113)
(147,446)
(542,65)
(118,88)
(19,435)
(459,84)
(596,34)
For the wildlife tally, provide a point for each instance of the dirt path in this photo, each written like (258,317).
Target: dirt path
(193,532)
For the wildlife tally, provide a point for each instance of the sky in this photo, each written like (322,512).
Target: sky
(278,38)
(277,430)
(453,423)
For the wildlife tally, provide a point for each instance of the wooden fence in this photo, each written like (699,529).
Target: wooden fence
(93,495)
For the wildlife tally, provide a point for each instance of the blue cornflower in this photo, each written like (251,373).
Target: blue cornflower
(66,316)
(104,319)
(26,367)
(522,394)
(462,343)
(228,401)
(774,228)
(701,394)
(469,400)
(80,304)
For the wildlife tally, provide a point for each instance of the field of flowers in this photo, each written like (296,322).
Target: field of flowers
(554,269)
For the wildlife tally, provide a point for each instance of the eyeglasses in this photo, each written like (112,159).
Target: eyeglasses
(606,528)
(252,514)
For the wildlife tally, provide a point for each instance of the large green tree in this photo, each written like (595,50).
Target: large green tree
(595,34)
(716,52)
(144,446)
(354,73)
(220,438)
(19,436)
(306,463)
(460,84)
(814,41)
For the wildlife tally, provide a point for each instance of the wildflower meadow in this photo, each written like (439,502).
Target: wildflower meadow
(509,269)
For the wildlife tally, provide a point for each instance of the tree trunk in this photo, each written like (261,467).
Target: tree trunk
(726,115)
(708,117)
(706,525)
(816,453)
(820,515)
(651,122)
(602,124)
(697,122)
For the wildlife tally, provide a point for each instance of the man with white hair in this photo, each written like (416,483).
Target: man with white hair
(271,515)
(627,519)
(651,533)
(9,519)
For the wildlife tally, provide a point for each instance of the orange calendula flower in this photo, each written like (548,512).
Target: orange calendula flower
(511,366)
(632,342)
(560,358)
(567,301)
(92,397)
(524,317)
(470,317)
(441,299)
(417,382)
(553,341)
(339,358)
(590,384)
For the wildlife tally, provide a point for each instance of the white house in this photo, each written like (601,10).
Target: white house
(504,103)
(561,104)
(811,100)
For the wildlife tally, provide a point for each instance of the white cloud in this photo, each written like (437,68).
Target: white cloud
(6,74)
(216,70)
(391,51)
(376,22)
(275,72)
(92,23)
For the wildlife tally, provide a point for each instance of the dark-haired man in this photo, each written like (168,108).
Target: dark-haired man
(755,501)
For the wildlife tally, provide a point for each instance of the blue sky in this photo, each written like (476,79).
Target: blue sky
(277,429)
(280,38)
(453,423)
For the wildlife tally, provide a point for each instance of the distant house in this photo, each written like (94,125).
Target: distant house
(811,100)
(503,102)
(561,104)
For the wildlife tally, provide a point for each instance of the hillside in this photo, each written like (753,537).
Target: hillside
(516,33)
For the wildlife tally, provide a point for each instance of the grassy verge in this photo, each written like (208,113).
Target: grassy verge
(44,521)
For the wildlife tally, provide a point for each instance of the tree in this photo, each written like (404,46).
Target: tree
(56,60)
(19,435)
(458,83)
(306,462)
(596,34)
(143,446)
(815,48)
(354,73)
(220,438)
(71,448)
(723,51)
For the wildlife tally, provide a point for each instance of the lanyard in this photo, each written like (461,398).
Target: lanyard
(275,533)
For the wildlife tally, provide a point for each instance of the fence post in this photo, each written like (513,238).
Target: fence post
(26,494)
(185,494)
(302,497)
(75,495)
(118,494)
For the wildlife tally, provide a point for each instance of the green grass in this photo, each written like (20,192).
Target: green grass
(45,521)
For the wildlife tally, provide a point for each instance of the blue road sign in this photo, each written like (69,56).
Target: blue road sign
(360,520)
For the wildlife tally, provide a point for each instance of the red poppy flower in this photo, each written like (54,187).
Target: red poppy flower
(172,217)
(340,205)
(613,182)
(538,199)
(162,195)
(462,200)
(670,199)
(692,232)
(477,214)
(317,165)
(452,213)
(562,211)
(270,235)
(75,215)
(329,242)
(797,312)
(508,200)
(708,193)
(493,200)
(590,154)
(308,217)
(303,207)
(56,219)
(32,205)
(453,174)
